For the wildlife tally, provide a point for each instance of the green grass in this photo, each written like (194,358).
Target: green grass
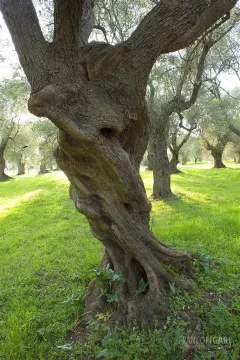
(47,253)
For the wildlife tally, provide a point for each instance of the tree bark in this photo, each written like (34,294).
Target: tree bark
(161,170)
(95,95)
(217,158)
(174,162)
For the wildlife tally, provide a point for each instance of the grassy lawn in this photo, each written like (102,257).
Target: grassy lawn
(48,253)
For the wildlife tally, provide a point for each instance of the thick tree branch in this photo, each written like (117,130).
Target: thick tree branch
(27,36)
(73,22)
(200,68)
(208,146)
(165,28)
(67,18)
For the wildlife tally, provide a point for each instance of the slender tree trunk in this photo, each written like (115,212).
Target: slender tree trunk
(195,159)
(21,167)
(3,176)
(217,158)
(161,171)
(173,163)
(150,156)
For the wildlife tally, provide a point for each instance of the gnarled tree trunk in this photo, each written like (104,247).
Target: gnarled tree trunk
(217,150)
(217,158)
(106,186)
(95,94)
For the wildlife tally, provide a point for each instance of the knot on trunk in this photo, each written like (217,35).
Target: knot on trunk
(55,95)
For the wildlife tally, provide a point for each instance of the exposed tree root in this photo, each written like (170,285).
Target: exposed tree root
(5,177)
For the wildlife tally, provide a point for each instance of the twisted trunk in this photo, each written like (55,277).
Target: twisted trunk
(95,95)
(217,150)
(217,158)
(102,162)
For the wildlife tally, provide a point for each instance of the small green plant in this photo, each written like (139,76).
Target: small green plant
(142,287)
(76,296)
(204,262)
(173,288)
(108,354)
(108,277)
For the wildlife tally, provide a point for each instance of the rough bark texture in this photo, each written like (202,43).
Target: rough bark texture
(96,97)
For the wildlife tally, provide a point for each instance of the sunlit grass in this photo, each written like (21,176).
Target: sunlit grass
(47,250)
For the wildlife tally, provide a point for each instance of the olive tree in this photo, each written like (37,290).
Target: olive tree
(95,94)
(214,118)
(12,96)
(175,85)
